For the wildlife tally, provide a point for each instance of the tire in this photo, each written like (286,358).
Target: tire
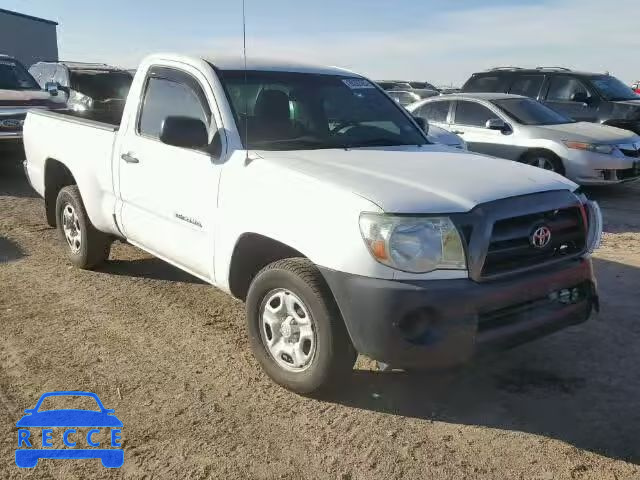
(544,160)
(90,248)
(333,354)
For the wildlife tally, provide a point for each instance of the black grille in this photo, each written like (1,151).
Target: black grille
(8,122)
(628,173)
(630,153)
(511,249)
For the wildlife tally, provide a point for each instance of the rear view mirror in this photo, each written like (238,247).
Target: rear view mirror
(185,132)
(52,88)
(580,97)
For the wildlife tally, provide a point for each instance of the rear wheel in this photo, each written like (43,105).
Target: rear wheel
(544,160)
(85,246)
(295,328)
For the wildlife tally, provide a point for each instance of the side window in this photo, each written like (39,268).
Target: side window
(563,88)
(473,114)
(485,83)
(527,85)
(171,93)
(435,111)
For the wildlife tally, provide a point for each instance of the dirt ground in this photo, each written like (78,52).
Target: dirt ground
(170,355)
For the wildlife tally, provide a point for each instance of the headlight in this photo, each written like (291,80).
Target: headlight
(413,244)
(591,147)
(595,224)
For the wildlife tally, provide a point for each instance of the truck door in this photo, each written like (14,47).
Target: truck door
(169,193)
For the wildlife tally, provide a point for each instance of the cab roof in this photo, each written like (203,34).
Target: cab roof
(275,65)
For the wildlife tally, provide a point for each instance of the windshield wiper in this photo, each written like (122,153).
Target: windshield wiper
(379,142)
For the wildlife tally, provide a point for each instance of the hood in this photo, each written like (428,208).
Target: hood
(29,98)
(587,132)
(429,179)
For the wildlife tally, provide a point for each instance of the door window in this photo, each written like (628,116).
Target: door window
(485,83)
(527,85)
(473,114)
(171,93)
(563,88)
(435,111)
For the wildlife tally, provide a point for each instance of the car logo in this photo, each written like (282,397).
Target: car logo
(93,428)
(11,123)
(540,237)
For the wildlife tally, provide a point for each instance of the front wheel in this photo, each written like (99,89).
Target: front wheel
(544,160)
(295,328)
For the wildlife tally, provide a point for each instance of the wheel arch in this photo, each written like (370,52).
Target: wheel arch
(542,150)
(56,176)
(251,253)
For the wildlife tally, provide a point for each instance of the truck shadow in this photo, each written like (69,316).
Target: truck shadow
(9,250)
(580,385)
(13,182)
(150,268)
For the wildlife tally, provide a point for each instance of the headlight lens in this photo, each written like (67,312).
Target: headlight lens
(591,147)
(413,244)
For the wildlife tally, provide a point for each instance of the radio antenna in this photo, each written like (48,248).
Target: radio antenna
(246,99)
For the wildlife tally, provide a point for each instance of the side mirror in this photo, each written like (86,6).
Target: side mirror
(497,124)
(52,88)
(580,97)
(422,123)
(185,132)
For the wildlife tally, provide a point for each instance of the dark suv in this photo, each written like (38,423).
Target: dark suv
(589,97)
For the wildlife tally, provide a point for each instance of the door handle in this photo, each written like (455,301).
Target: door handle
(458,132)
(127,157)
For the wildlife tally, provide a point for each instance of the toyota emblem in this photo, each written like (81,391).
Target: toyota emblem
(541,237)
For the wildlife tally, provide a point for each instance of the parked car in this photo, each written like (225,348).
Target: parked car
(522,129)
(403,97)
(394,85)
(87,87)
(423,86)
(309,194)
(585,97)
(636,87)
(18,93)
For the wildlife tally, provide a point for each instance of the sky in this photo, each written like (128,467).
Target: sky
(440,41)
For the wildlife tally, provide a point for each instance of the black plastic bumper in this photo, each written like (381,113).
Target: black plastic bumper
(440,323)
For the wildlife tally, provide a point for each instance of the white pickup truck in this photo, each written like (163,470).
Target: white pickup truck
(309,194)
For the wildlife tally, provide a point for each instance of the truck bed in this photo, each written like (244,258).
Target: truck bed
(101,120)
(85,147)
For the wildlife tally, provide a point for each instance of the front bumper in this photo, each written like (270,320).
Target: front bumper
(441,323)
(589,168)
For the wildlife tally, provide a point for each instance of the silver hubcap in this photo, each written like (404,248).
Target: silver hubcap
(71,228)
(542,162)
(287,330)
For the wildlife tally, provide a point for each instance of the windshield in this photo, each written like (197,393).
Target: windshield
(13,76)
(101,85)
(613,89)
(298,111)
(531,112)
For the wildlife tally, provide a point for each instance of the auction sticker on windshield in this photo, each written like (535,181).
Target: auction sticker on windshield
(70,433)
(355,83)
